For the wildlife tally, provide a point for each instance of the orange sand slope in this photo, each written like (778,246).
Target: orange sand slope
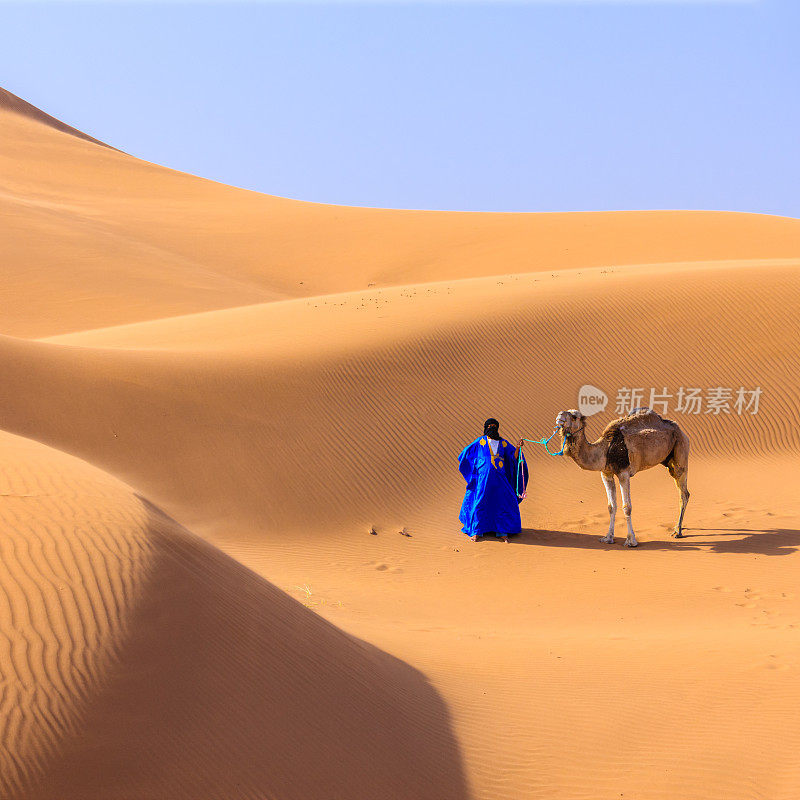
(279,386)
(140,656)
(94,237)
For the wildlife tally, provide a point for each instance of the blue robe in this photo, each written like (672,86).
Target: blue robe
(491,504)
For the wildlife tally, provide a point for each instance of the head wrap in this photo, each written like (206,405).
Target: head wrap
(489,423)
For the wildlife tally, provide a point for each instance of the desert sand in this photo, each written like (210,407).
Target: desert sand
(209,398)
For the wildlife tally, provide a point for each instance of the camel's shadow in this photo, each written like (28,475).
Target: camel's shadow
(763,541)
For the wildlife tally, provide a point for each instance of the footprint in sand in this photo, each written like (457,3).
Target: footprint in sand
(382,566)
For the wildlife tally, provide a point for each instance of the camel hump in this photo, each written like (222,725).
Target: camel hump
(643,427)
(639,419)
(641,422)
(636,420)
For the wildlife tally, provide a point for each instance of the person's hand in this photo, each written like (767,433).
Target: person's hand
(521,443)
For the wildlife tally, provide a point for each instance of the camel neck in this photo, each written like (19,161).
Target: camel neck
(586,454)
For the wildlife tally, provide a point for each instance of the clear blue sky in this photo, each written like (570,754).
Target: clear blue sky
(518,106)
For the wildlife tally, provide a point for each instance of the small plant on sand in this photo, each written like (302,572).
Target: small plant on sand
(307,600)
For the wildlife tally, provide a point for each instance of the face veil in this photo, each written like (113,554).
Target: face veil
(491,428)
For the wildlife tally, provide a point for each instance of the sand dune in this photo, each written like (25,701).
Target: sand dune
(16,105)
(113,239)
(400,366)
(73,559)
(280,377)
(141,662)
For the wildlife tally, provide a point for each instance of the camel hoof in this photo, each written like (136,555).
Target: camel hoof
(676,535)
(631,543)
(607,540)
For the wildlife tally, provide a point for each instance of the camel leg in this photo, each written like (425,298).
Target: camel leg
(681,482)
(625,487)
(679,469)
(611,491)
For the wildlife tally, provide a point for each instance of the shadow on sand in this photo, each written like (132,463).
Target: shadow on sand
(762,541)
(226,687)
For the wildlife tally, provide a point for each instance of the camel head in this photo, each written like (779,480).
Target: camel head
(570,422)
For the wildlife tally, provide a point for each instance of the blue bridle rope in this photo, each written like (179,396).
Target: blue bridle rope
(546,443)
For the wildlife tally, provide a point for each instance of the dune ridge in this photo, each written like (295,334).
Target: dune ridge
(138,661)
(390,361)
(16,105)
(220,410)
(72,556)
(118,240)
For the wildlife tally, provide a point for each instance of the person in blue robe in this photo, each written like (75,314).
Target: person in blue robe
(496,476)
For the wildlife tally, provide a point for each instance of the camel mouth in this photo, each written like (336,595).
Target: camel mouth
(562,421)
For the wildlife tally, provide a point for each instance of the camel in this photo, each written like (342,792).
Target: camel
(630,444)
